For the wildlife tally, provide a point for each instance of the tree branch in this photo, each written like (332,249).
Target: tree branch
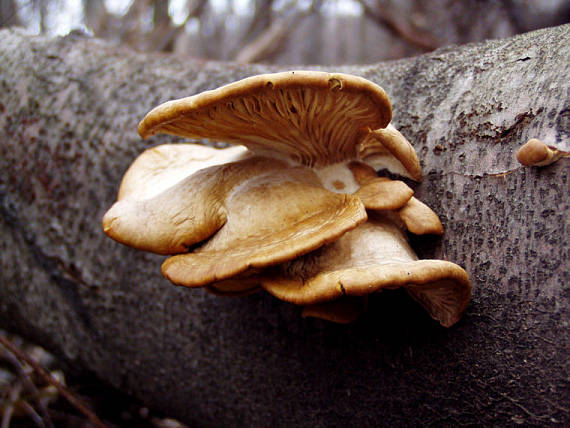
(399,27)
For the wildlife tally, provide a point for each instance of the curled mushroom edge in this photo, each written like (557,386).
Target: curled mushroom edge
(295,207)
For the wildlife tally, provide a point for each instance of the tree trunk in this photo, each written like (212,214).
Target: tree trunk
(68,114)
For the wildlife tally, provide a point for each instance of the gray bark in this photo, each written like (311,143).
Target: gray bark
(68,114)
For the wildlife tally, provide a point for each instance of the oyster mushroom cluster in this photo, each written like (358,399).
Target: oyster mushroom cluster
(295,207)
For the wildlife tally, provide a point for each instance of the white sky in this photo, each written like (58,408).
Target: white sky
(66,15)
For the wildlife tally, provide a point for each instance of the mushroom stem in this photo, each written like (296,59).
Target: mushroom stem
(337,178)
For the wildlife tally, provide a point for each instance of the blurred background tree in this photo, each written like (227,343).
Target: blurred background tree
(288,31)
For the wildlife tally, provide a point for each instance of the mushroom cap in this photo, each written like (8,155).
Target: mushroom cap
(343,310)
(388,148)
(235,286)
(419,218)
(370,258)
(535,153)
(380,193)
(253,212)
(311,117)
(441,287)
(165,210)
(385,194)
(270,219)
(160,167)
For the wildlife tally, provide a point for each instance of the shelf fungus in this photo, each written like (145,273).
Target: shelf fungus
(296,207)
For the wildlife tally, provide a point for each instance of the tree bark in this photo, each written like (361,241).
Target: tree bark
(68,114)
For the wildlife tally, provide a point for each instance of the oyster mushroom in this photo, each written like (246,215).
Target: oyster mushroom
(316,119)
(281,210)
(382,193)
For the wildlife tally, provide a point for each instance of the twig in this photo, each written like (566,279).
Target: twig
(29,384)
(271,39)
(74,401)
(34,415)
(524,409)
(7,414)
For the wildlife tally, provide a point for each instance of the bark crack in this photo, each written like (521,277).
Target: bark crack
(485,174)
(67,278)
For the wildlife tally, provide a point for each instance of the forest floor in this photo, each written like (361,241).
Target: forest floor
(65,398)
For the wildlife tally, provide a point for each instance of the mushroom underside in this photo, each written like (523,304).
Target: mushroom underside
(311,117)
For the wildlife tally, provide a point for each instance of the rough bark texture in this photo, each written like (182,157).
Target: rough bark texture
(68,114)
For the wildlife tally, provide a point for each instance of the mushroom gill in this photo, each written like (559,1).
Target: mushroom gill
(311,117)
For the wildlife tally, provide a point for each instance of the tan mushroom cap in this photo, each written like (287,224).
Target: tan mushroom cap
(384,194)
(271,219)
(380,193)
(311,117)
(388,148)
(165,214)
(535,153)
(370,258)
(235,286)
(239,206)
(160,167)
(420,219)
(362,173)
(151,212)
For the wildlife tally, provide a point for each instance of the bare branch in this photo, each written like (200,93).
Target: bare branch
(165,41)
(399,27)
(272,39)
(9,14)
(260,21)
